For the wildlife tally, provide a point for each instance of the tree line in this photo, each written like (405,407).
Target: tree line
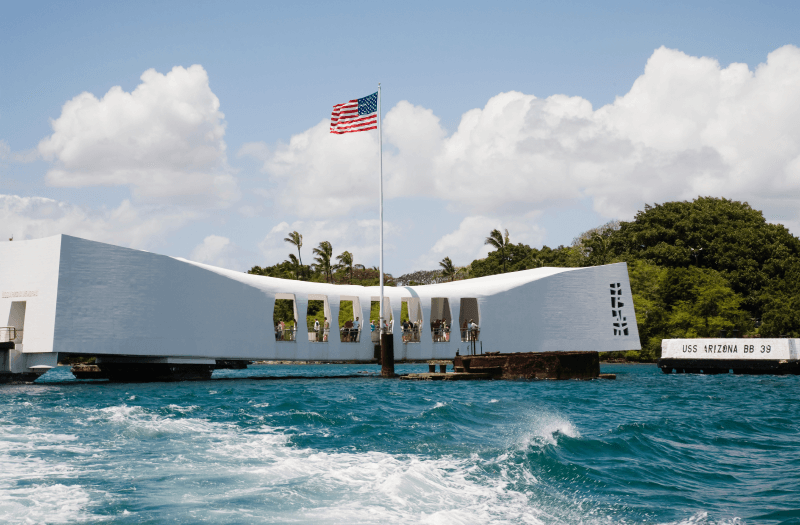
(341,269)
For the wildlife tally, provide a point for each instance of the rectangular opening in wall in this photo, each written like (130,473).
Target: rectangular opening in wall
(375,315)
(411,319)
(350,322)
(284,317)
(469,319)
(318,317)
(16,320)
(441,319)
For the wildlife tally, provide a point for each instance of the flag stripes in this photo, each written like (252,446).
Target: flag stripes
(360,114)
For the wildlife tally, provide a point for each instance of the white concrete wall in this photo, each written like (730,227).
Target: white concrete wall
(118,301)
(29,272)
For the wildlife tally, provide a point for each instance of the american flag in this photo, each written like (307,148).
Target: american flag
(359,114)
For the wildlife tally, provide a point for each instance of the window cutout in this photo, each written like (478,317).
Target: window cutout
(350,322)
(16,319)
(441,320)
(411,319)
(619,323)
(318,318)
(469,319)
(375,315)
(284,317)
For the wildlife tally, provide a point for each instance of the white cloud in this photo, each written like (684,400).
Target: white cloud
(466,243)
(359,237)
(687,127)
(17,156)
(217,251)
(127,225)
(165,139)
(323,175)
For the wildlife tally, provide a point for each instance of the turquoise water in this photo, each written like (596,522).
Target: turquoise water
(646,448)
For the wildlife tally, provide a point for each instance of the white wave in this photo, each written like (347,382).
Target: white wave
(543,428)
(44,504)
(701,518)
(212,464)
(183,410)
(28,492)
(371,487)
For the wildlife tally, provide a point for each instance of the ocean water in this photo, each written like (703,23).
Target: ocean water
(646,448)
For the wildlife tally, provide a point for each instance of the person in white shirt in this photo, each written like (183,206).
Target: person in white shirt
(473,330)
(356,325)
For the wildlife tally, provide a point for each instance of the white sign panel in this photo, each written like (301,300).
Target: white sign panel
(749,349)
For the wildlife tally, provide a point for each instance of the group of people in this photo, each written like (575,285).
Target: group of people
(440,330)
(388,328)
(284,334)
(349,332)
(411,331)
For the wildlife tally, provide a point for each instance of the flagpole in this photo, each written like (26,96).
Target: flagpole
(380,161)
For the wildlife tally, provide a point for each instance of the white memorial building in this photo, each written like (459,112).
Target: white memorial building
(68,295)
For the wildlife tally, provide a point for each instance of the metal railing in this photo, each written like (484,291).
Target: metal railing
(318,336)
(349,335)
(411,335)
(288,334)
(470,335)
(9,333)
(441,335)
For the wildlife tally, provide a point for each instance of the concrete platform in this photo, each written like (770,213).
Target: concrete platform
(532,365)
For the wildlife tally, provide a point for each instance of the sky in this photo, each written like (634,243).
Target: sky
(200,129)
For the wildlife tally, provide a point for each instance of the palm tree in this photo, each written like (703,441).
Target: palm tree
(346,262)
(297,240)
(324,253)
(497,240)
(296,263)
(448,270)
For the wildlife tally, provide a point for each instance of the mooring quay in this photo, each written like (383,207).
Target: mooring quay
(144,315)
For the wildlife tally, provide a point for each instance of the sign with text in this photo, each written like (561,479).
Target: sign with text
(749,349)
(25,293)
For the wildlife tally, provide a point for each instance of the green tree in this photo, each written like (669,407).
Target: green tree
(296,239)
(702,303)
(448,270)
(499,242)
(324,253)
(294,261)
(284,270)
(346,263)
(316,311)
